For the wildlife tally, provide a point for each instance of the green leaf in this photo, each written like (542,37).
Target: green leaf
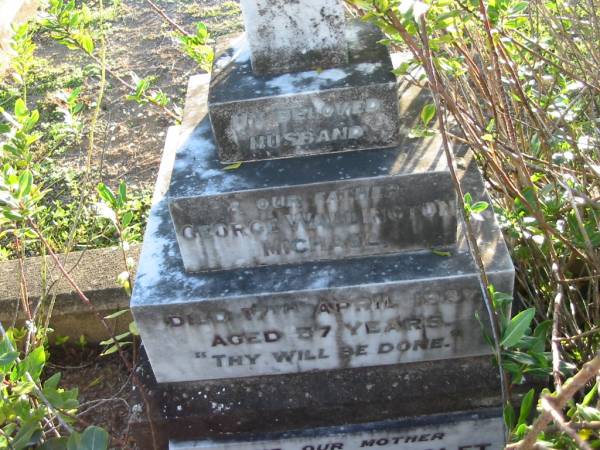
(122,192)
(126,219)
(235,165)
(526,407)
(74,442)
(55,444)
(201,32)
(94,438)
(114,348)
(518,7)
(541,334)
(440,252)
(23,388)
(517,328)
(116,314)
(106,194)
(87,43)
(28,435)
(6,359)
(52,382)
(34,362)
(479,207)
(402,69)
(590,395)
(428,113)
(25,182)
(509,416)
(542,329)
(20,108)
(468,199)
(588,413)
(134,329)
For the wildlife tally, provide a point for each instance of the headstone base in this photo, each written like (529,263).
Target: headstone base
(253,407)
(474,430)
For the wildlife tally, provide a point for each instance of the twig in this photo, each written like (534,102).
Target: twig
(470,234)
(555,343)
(171,22)
(579,336)
(547,405)
(569,389)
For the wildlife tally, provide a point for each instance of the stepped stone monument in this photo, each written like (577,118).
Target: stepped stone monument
(320,296)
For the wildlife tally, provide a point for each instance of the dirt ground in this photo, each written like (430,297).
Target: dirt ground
(104,385)
(131,136)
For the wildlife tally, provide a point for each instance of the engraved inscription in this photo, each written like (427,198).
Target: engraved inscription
(470,433)
(316,222)
(351,328)
(306,125)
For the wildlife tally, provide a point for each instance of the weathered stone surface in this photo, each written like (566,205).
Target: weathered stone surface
(351,107)
(405,307)
(45,283)
(242,408)
(311,316)
(307,209)
(294,35)
(476,430)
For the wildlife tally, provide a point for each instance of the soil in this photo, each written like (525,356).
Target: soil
(130,137)
(104,385)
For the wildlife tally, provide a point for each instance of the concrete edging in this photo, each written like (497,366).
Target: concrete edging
(94,271)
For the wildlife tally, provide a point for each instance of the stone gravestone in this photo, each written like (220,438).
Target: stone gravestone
(314,302)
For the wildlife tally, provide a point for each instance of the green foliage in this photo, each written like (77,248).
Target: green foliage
(514,79)
(73,25)
(474,209)
(112,345)
(198,46)
(23,48)
(120,213)
(30,409)
(23,195)
(68,24)
(143,93)
(522,346)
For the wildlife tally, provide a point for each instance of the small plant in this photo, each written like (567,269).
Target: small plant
(35,413)
(143,93)
(197,46)
(122,340)
(474,209)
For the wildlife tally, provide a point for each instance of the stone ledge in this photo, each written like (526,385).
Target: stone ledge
(95,272)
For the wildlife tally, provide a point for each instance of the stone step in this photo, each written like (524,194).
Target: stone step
(313,316)
(349,107)
(403,396)
(466,430)
(324,207)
